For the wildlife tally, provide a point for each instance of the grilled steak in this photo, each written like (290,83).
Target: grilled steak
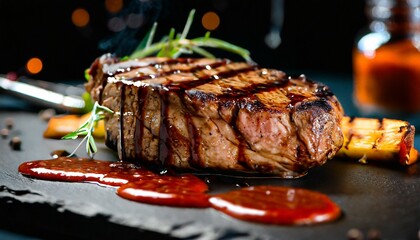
(215,115)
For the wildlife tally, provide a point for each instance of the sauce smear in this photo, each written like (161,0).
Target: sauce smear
(277,205)
(85,170)
(180,191)
(266,204)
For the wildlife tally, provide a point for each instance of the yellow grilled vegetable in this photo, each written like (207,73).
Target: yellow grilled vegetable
(378,140)
(59,126)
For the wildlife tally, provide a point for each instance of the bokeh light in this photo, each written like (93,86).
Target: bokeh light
(34,65)
(135,21)
(80,17)
(210,21)
(116,24)
(113,6)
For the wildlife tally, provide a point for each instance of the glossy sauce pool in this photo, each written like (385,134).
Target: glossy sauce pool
(264,204)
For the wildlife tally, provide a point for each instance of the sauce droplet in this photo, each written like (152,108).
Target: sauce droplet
(83,169)
(178,191)
(277,205)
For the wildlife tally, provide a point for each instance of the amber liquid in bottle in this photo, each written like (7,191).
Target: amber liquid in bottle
(387,61)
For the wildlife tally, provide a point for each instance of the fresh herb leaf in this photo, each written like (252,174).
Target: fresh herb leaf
(87,75)
(86,129)
(173,45)
(188,24)
(148,39)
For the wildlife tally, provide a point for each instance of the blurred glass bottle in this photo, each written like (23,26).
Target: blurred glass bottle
(386,61)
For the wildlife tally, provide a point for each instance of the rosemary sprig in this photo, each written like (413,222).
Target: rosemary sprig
(98,113)
(174,45)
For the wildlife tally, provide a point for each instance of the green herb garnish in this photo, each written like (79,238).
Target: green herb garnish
(98,113)
(173,45)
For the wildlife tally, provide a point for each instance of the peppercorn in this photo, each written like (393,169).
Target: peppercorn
(9,122)
(374,234)
(354,234)
(15,143)
(47,114)
(4,133)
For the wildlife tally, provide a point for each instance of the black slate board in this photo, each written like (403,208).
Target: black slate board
(372,197)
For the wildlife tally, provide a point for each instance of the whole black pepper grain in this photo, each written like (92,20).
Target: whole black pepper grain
(9,122)
(354,234)
(4,133)
(374,234)
(47,114)
(15,143)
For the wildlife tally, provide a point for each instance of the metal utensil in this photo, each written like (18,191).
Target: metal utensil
(61,97)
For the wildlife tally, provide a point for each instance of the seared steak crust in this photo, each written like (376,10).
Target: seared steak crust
(216,115)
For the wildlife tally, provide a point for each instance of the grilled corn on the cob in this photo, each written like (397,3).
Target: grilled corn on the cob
(378,140)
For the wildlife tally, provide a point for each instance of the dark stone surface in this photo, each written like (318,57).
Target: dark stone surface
(379,197)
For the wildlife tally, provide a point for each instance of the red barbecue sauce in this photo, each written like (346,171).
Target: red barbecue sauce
(266,204)
(277,205)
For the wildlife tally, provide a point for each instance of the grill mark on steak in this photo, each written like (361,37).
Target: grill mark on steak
(254,88)
(158,66)
(243,92)
(203,80)
(122,112)
(194,159)
(110,72)
(139,127)
(163,131)
(241,146)
(176,71)
(322,103)
(380,139)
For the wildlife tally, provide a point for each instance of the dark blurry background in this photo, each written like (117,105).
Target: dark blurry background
(317,35)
